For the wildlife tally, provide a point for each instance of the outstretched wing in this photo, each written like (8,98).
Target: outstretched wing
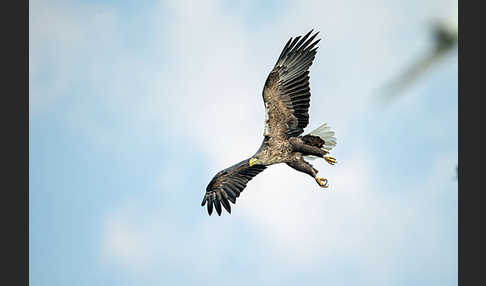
(228,184)
(286,93)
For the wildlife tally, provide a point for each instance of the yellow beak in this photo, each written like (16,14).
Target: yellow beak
(252,161)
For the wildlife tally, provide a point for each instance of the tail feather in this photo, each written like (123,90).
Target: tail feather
(326,134)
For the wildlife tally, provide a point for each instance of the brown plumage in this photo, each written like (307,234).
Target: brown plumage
(286,95)
(313,140)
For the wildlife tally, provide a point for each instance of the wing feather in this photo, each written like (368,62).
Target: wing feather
(287,93)
(228,184)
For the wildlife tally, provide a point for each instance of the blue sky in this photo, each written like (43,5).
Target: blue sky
(133,109)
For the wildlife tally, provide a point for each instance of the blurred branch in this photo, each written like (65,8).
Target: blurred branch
(445,39)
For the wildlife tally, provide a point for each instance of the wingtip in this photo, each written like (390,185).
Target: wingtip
(315,34)
(226,205)
(210,206)
(217,206)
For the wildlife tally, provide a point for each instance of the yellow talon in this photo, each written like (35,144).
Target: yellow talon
(321,181)
(330,160)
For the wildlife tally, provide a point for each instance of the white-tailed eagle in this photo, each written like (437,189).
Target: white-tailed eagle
(286,96)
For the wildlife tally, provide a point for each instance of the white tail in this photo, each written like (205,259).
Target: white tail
(326,134)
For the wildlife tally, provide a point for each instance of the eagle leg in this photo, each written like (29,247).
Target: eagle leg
(306,149)
(303,166)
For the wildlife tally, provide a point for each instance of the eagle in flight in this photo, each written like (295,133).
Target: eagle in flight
(286,96)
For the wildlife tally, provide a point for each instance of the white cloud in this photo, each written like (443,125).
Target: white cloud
(66,43)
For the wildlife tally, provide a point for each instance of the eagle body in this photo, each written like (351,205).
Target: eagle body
(286,96)
(274,151)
